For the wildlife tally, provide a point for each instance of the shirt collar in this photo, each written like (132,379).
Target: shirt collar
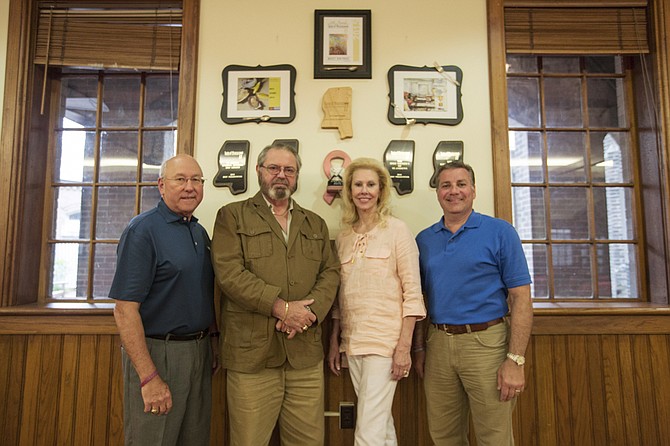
(170,216)
(473,221)
(290,203)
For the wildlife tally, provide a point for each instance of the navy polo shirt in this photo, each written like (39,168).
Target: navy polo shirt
(465,275)
(163,262)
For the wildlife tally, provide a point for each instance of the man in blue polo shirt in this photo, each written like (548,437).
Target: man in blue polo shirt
(474,274)
(164,311)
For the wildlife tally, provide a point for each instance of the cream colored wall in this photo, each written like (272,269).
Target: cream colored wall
(452,32)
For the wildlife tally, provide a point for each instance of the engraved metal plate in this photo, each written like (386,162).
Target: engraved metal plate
(445,152)
(399,161)
(232,160)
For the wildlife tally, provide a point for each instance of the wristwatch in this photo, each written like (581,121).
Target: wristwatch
(518,359)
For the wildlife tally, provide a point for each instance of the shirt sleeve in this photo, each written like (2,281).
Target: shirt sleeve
(513,264)
(135,266)
(407,261)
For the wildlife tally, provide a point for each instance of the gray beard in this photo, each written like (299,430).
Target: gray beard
(279,194)
(273,193)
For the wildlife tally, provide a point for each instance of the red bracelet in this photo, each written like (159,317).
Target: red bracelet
(146,380)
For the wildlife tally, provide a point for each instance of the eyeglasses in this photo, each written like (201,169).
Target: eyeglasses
(274,170)
(181,181)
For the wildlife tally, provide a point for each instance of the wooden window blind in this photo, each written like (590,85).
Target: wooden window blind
(576,30)
(140,37)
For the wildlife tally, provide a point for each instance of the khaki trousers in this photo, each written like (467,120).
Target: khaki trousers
(461,379)
(294,397)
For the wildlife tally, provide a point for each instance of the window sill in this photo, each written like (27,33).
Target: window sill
(601,308)
(607,318)
(58,318)
(550,318)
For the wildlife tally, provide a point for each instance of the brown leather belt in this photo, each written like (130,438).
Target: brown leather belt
(188,337)
(467,328)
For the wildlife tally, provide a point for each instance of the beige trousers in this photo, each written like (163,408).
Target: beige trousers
(293,397)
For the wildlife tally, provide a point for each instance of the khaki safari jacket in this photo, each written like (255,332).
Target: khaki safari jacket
(254,266)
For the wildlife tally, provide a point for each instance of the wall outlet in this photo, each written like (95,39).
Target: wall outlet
(347,415)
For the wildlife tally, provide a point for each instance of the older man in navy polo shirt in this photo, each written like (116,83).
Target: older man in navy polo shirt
(164,311)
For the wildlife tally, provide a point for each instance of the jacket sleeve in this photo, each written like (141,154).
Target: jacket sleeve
(325,289)
(238,283)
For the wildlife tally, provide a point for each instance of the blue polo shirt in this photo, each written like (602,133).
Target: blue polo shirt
(465,275)
(163,262)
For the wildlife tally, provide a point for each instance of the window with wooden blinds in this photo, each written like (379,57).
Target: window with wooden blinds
(611,30)
(143,38)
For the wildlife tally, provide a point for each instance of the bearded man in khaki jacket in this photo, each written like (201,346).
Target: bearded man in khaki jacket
(279,276)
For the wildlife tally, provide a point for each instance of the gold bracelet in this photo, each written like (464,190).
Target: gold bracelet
(285,310)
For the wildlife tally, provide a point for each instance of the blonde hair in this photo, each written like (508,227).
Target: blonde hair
(349,213)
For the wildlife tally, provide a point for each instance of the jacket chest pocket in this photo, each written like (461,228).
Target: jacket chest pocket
(257,242)
(311,244)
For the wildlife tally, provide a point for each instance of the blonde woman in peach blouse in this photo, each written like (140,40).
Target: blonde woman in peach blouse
(379,299)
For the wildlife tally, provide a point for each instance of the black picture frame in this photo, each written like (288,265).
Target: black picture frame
(258,94)
(412,97)
(342,44)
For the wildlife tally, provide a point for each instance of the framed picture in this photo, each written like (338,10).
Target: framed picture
(342,46)
(258,94)
(425,95)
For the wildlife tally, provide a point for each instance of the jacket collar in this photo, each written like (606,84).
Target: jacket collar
(297,217)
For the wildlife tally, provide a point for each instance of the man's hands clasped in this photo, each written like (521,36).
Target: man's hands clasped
(293,317)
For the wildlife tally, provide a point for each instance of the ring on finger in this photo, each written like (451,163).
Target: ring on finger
(305,327)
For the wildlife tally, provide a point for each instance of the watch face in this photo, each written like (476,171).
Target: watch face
(520,360)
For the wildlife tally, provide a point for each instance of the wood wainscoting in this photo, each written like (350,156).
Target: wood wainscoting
(593,379)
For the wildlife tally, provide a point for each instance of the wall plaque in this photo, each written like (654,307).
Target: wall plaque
(399,161)
(293,143)
(232,160)
(445,152)
(336,106)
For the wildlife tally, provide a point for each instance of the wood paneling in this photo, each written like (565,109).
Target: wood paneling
(60,389)
(582,389)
